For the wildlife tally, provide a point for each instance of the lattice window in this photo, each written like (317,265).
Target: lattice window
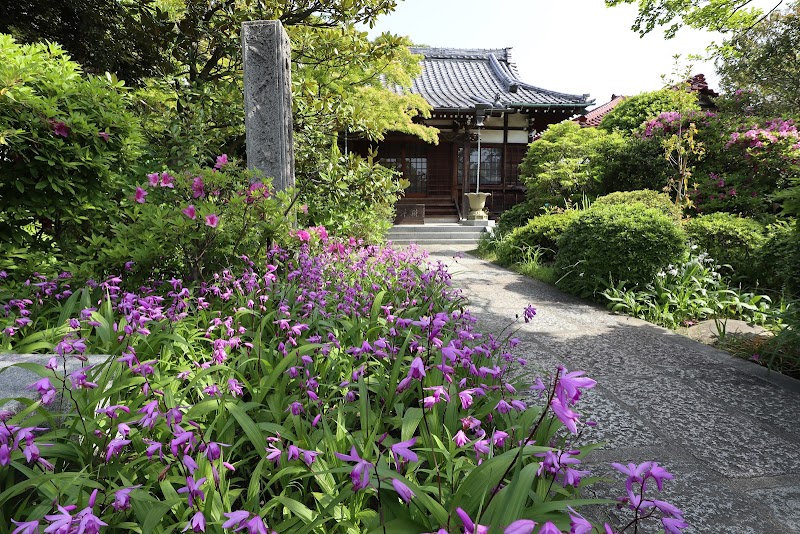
(514,156)
(491,162)
(411,161)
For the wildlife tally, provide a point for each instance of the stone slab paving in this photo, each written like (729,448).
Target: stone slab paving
(728,430)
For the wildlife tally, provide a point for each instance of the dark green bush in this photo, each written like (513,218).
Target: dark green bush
(636,164)
(514,217)
(542,231)
(730,240)
(651,199)
(66,141)
(628,243)
(778,260)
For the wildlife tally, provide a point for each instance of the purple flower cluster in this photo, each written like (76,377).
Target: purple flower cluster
(228,385)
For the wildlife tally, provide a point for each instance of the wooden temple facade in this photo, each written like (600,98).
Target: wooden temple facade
(474,93)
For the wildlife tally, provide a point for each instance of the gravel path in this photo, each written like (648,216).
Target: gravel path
(725,428)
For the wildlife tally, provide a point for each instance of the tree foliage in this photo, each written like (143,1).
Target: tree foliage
(66,142)
(566,161)
(635,110)
(189,54)
(101,35)
(716,15)
(764,64)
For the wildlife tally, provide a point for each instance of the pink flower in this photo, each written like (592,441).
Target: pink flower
(222,160)
(520,526)
(190,212)
(122,498)
(153,179)
(140,195)
(303,236)
(460,438)
(103,135)
(167,180)
(402,449)
(197,523)
(212,220)
(59,128)
(235,519)
(28,527)
(198,189)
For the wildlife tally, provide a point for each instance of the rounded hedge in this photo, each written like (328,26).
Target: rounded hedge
(625,242)
(514,217)
(648,197)
(730,240)
(542,231)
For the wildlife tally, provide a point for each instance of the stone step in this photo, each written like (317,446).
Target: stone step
(435,234)
(15,381)
(422,242)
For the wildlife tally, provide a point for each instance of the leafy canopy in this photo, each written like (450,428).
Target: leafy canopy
(724,16)
(764,63)
(566,161)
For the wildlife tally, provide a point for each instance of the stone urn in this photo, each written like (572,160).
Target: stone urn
(477,201)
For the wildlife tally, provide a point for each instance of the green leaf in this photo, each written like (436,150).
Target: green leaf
(248,425)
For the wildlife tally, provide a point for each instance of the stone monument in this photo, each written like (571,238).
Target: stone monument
(266,54)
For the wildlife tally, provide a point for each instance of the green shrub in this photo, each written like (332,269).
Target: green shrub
(65,142)
(651,199)
(514,217)
(186,225)
(631,113)
(349,195)
(730,240)
(567,162)
(778,260)
(542,231)
(628,243)
(638,163)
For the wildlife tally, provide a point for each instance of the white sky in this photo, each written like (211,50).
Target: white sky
(571,46)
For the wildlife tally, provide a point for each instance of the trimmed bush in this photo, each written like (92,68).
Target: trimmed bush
(628,243)
(730,240)
(514,217)
(542,231)
(648,197)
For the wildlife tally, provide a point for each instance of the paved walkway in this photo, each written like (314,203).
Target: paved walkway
(727,430)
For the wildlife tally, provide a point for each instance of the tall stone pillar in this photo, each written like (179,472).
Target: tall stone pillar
(268,101)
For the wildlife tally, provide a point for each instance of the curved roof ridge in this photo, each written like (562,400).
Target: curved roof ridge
(510,78)
(459,53)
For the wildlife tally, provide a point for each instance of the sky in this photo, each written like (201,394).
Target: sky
(570,46)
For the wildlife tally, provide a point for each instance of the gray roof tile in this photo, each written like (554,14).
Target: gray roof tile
(460,78)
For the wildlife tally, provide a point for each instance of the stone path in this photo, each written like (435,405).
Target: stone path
(727,430)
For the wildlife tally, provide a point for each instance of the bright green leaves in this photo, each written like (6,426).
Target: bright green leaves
(715,15)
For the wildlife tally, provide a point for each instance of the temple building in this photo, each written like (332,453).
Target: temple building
(477,100)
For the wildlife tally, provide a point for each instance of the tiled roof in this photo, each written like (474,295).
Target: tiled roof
(592,118)
(457,79)
(699,85)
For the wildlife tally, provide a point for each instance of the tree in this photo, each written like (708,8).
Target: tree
(191,95)
(101,35)
(724,16)
(566,161)
(762,65)
(633,111)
